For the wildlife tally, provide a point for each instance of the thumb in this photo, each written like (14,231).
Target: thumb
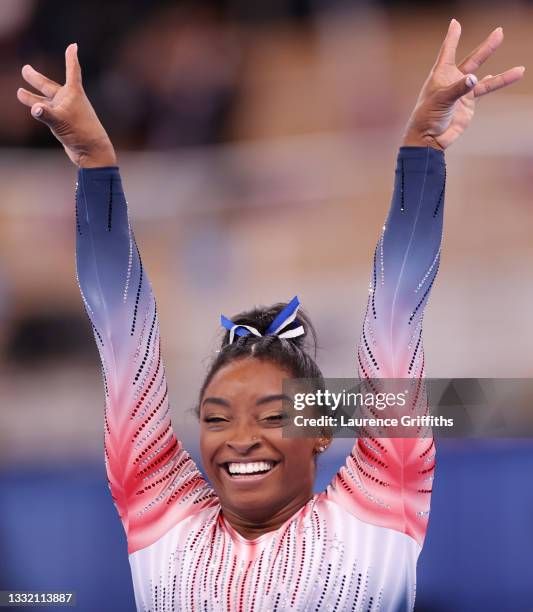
(456,90)
(42,112)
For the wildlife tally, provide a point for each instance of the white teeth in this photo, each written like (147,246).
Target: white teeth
(250,468)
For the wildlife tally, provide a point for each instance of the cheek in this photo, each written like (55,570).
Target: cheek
(208,446)
(298,452)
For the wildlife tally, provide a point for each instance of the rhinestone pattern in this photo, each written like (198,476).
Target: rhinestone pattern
(409,248)
(307,564)
(146,464)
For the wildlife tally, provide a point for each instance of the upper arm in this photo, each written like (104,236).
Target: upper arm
(153,480)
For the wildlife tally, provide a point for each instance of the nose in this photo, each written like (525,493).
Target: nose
(243,442)
(243,448)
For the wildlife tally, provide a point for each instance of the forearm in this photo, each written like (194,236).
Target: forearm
(104,243)
(405,266)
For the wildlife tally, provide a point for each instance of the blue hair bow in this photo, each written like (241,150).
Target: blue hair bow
(282,320)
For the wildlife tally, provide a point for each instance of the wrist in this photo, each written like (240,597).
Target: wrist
(414,139)
(98,156)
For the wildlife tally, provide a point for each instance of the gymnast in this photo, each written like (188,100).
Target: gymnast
(253,536)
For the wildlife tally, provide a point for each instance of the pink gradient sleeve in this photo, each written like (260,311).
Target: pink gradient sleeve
(388,481)
(153,481)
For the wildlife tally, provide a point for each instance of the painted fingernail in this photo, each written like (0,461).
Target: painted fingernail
(38,111)
(471,80)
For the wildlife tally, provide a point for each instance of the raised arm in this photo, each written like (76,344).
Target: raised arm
(153,480)
(388,481)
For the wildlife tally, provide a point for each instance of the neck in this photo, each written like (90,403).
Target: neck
(252,525)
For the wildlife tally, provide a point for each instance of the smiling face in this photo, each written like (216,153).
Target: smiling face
(257,473)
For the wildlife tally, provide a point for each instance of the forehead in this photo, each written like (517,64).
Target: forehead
(247,378)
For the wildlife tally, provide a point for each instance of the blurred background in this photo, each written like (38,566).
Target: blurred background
(257,144)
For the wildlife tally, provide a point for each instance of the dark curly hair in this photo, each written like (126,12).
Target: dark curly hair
(295,355)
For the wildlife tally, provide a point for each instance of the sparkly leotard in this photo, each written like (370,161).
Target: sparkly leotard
(353,547)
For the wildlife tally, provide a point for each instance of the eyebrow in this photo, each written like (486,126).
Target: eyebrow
(216,400)
(219,401)
(272,398)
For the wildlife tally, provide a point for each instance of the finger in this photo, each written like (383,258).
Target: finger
(452,93)
(28,98)
(492,83)
(480,54)
(449,46)
(72,65)
(39,81)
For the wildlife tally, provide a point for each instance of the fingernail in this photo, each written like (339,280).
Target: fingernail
(38,111)
(471,80)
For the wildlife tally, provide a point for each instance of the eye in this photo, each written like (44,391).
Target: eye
(214,419)
(275,418)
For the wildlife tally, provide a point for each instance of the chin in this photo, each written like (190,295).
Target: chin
(259,512)
(255,505)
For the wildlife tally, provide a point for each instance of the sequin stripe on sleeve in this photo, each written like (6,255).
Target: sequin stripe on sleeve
(388,481)
(153,481)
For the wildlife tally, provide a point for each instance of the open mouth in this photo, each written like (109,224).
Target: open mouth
(251,470)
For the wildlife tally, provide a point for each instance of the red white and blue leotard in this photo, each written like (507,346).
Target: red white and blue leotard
(353,547)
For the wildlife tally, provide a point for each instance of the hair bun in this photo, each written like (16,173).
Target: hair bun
(261,317)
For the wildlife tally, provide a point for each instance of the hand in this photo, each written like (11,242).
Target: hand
(68,113)
(446,104)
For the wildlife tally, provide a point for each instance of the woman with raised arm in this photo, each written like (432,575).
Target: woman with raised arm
(256,537)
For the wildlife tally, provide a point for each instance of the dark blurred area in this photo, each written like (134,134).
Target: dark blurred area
(163,73)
